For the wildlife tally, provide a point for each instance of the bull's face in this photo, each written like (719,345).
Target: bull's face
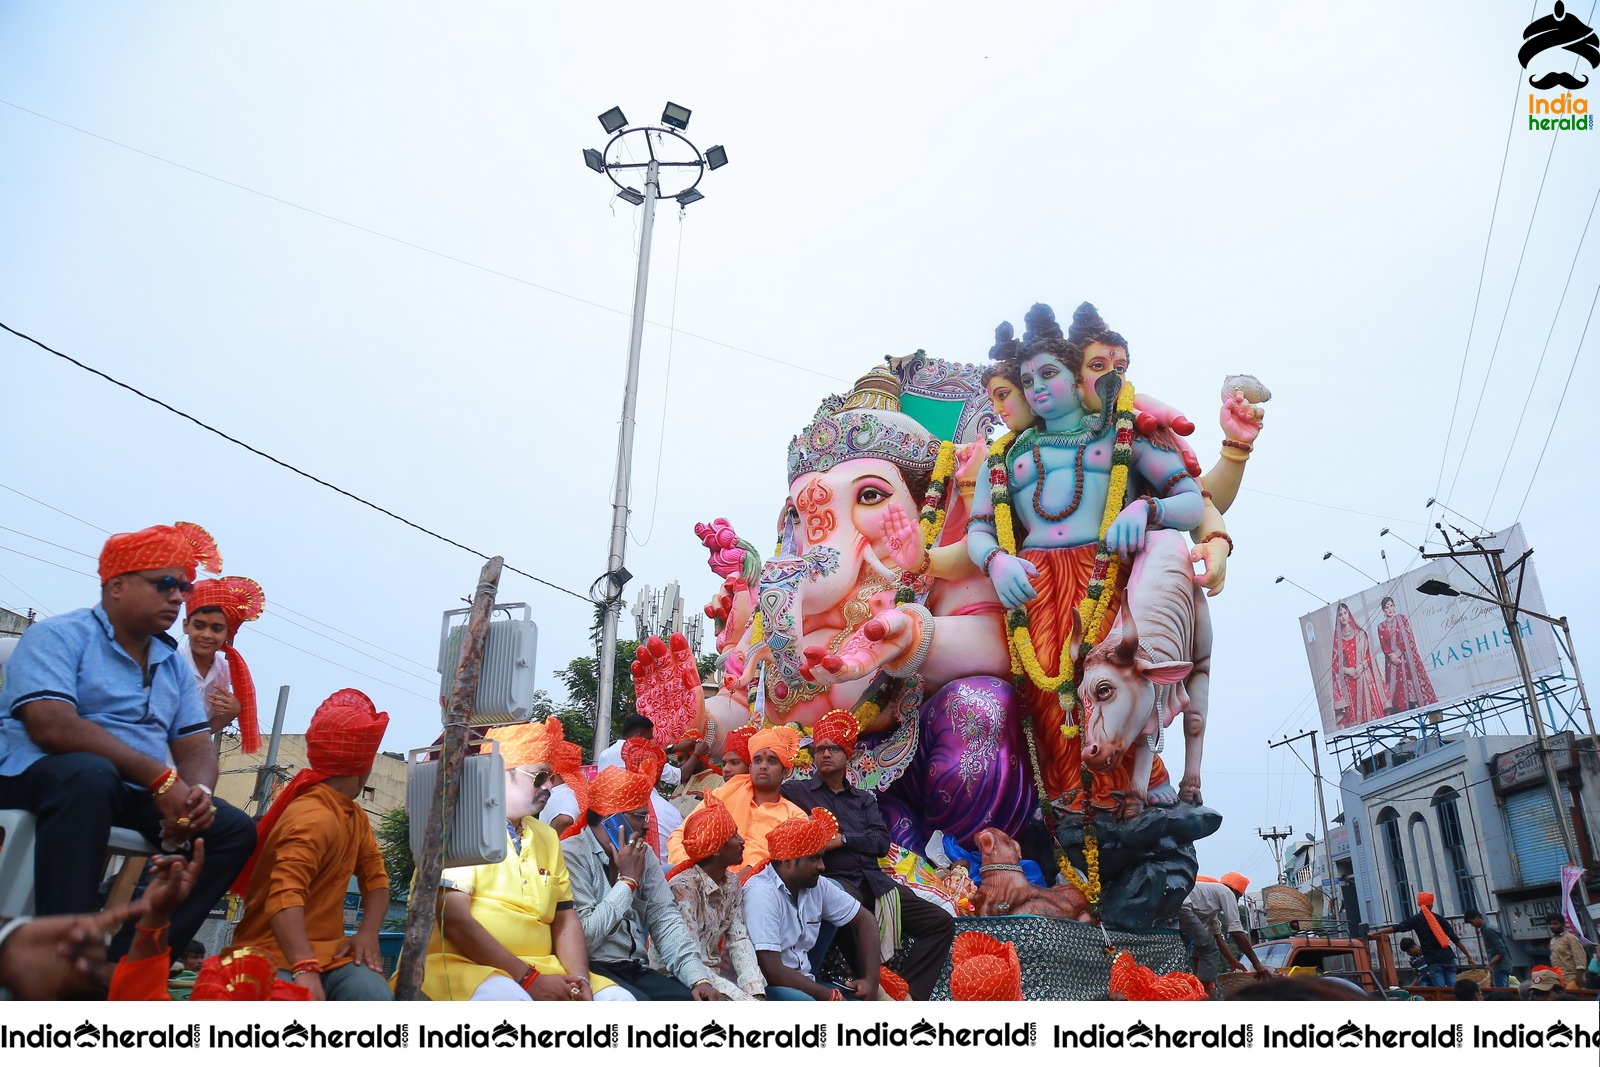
(1117,691)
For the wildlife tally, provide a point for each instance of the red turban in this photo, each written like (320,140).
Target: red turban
(638,753)
(802,836)
(783,742)
(1141,983)
(896,987)
(243,974)
(341,741)
(241,601)
(183,546)
(983,968)
(738,742)
(616,790)
(838,728)
(705,831)
(1236,882)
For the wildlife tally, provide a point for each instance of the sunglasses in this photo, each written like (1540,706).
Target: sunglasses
(167,583)
(539,777)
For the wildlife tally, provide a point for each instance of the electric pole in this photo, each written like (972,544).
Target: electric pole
(1322,806)
(1274,838)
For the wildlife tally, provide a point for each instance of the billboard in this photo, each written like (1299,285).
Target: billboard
(1391,651)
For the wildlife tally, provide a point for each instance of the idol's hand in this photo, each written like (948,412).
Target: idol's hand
(970,459)
(903,538)
(1010,575)
(1213,555)
(1126,533)
(886,638)
(1241,420)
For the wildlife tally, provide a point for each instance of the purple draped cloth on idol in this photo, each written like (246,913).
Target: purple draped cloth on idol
(970,771)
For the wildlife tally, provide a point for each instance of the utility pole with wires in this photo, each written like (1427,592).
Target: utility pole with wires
(665,147)
(1322,806)
(1274,838)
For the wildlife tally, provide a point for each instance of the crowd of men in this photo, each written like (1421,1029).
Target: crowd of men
(738,887)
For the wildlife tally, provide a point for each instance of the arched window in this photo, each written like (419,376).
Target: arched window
(1395,853)
(1455,847)
(1422,855)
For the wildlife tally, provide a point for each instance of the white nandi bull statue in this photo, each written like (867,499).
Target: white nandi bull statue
(1154,666)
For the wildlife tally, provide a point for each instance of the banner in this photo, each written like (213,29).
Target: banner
(1391,650)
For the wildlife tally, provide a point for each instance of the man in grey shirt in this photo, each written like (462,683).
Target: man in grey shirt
(622,897)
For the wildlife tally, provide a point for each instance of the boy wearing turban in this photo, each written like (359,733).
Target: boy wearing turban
(510,930)
(706,888)
(216,610)
(313,838)
(786,901)
(622,898)
(1436,962)
(755,800)
(101,725)
(853,854)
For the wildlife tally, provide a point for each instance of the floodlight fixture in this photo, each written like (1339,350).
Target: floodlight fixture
(716,156)
(1438,587)
(690,196)
(631,195)
(595,161)
(613,120)
(676,116)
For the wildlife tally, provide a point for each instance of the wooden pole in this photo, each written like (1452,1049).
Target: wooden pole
(423,905)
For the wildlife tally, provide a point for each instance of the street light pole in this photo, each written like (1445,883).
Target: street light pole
(614,576)
(656,140)
(1330,902)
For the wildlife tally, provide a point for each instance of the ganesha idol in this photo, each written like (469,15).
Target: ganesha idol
(817,627)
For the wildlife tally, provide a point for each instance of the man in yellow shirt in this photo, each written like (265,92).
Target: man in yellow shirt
(510,930)
(755,800)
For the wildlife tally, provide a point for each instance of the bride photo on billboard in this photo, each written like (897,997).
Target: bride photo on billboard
(1357,695)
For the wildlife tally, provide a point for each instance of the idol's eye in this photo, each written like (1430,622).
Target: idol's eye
(871,494)
(1048,372)
(1027,381)
(1104,691)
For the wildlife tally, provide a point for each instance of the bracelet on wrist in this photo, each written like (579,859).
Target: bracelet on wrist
(629,881)
(528,979)
(165,781)
(305,966)
(1238,446)
(1219,535)
(988,560)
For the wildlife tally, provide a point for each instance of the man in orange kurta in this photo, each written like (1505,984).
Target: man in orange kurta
(755,800)
(312,840)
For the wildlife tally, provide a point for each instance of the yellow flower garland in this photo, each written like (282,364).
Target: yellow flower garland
(943,468)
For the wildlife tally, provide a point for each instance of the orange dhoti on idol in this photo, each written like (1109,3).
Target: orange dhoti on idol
(1063,580)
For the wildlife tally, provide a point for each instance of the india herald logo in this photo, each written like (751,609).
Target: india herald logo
(1559,30)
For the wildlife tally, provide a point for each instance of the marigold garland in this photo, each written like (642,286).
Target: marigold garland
(930,519)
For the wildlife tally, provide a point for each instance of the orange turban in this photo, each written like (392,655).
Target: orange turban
(525,743)
(1141,983)
(838,728)
(801,836)
(705,831)
(243,974)
(783,742)
(643,756)
(184,546)
(616,790)
(892,984)
(241,601)
(983,968)
(341,741)
(1236,882)
(1425,902)
(738,742)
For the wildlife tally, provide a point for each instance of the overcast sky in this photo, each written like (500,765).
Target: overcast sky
(361,238)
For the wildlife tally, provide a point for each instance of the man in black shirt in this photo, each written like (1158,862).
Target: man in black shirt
(1496,953)
(852,855)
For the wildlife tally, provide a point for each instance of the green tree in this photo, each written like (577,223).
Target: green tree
(583,695)
(394,841)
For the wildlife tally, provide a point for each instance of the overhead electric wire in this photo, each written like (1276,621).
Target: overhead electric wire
(1483,269)
(412,244)
(281,463)
(1494,352)
(1544,351)
(1551,429)
(256,631)
(55,509)
(352,648)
